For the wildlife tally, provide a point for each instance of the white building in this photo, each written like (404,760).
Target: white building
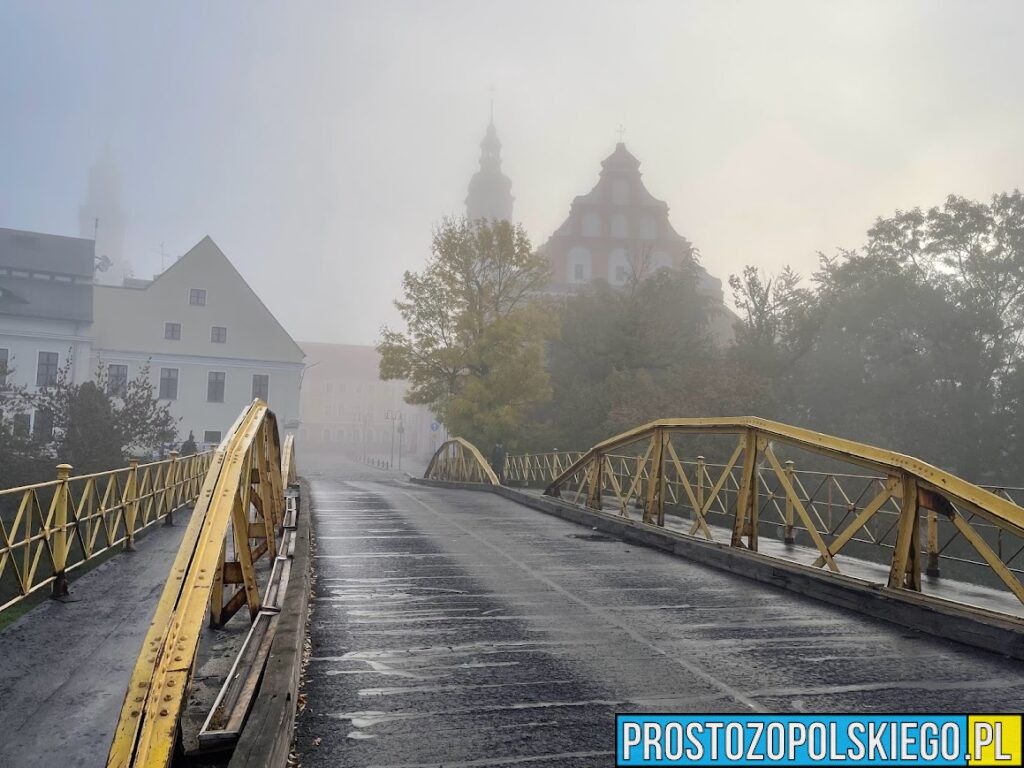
(211,344)
(46,308)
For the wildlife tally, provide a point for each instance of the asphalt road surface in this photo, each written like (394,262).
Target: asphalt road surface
(455,628)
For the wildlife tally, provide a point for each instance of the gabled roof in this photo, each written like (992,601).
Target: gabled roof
(620,164)
(194,262)
(208,247)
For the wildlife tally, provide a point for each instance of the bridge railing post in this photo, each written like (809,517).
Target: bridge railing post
(171,488)
(700,489)
(789,537)
(745,523)
(60,531)
(130,502)
(932,566)
(655,508)
(595,478)
(905,570)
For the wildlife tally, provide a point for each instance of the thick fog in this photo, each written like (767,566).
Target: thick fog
(319,143)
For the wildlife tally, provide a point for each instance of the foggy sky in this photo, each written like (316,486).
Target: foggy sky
(318,143)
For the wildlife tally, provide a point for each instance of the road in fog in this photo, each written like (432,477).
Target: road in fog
(460,629)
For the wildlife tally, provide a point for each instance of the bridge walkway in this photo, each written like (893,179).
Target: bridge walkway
(64,666)
(463,629)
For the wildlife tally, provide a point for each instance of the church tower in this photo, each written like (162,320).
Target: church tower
(490,191)
(101,218)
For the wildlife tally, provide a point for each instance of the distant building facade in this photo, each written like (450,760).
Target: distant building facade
(346,408)
(46,308)
(616,230)
(490,190)
(210,342)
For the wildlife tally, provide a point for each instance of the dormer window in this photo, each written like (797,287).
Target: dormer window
(197,297)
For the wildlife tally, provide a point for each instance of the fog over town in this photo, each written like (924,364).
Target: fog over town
(319,147)
(547,383)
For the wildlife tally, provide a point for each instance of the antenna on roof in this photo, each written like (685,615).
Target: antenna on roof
(163,256)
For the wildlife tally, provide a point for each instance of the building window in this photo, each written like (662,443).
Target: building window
(117,380)
(46,371)
(591,225)
(172,331)
(4,361)
(619,225)
(261,387)
(168,383)
(219,334)
(211,436)
(660,260)
(42,425)
(620,192)
(620,267)
(579,265)
(648,228)
(197,297)
(215,387)
(22,424)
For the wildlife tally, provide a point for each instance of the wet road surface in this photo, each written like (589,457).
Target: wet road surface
(454,628)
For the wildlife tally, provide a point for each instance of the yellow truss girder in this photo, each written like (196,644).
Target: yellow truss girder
(459,461)
(240,490)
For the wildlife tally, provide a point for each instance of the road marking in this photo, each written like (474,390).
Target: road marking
(609,618)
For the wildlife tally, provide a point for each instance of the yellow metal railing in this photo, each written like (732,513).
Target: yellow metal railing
(902,513)
(459,461)
(49,529)
(239,515)
(538,468)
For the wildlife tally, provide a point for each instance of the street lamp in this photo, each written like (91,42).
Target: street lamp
(363,419)
(393,417)
(401,435)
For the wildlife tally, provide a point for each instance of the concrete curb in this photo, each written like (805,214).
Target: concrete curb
(267,737)
(978,627)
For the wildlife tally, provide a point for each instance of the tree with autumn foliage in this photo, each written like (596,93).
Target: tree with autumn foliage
(472,349)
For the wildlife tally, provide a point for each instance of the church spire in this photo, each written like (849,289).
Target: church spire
(490,191)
